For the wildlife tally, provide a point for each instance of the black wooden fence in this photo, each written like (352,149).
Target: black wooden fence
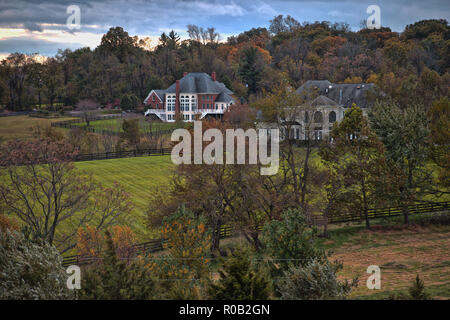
(426,207)
(122,154)
(226,230)
(80,124)
(151,246)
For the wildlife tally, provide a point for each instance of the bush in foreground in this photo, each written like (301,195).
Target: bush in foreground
(317,280)
(30,270)
(240,279)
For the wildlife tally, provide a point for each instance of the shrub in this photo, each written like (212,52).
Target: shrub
(115,279)
(316,280)
(30,270)
(241,280)
(290,241)
(417,290)
(129,101)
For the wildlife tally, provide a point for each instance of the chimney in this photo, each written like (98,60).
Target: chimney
(213,76)
(177,99)
(184,74)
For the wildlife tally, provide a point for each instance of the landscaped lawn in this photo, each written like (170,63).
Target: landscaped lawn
(139,176)
(21,127)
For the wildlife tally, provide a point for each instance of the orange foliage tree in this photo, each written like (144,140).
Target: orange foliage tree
(91,242)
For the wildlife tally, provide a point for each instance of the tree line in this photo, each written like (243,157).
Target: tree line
(124,67)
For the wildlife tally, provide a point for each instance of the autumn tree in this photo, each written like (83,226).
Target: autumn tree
(92,242)
(294,118)
(118,42)
(404,133)
(185,265)
(355,155)
(439,127)
(15,68)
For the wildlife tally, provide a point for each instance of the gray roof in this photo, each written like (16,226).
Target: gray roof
(160,94)
(323,101)
(199,82)
(343,94)
(224,97)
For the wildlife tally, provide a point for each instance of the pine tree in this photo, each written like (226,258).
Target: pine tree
(117,280)
(417,290)
(240,280)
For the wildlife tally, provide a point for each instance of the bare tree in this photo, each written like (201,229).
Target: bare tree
(194,32)
(40,185)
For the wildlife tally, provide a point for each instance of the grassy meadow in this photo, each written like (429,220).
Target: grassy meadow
(400,251)
(116,125)
(21,127)
(139,177)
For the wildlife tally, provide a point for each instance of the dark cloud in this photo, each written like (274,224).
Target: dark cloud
(33,26)
(151,17)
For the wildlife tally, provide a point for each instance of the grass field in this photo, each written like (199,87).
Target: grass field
(116,125)
(21,127)
(139,177)
(400,251)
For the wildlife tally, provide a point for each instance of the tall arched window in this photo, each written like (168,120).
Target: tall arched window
(318,118)
(332,117)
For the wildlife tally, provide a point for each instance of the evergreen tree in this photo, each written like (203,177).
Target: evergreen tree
(241,280)
(290,241)
(417,290)
(248,69)
(404,133)
(114,279)
(317,280)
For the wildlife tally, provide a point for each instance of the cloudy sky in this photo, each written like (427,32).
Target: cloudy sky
(37,26)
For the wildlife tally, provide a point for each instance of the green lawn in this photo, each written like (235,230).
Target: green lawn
(139,176)
(116,125)
(21,127)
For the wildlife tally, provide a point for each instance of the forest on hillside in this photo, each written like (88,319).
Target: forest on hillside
(411,66)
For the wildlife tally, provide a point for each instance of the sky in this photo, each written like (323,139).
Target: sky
(36,26)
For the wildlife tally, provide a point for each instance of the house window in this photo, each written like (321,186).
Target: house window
(318,118)
(193,103)
(332,117)
(153,98)
(171,103)
(306,116)
(318,133)
(222,106)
